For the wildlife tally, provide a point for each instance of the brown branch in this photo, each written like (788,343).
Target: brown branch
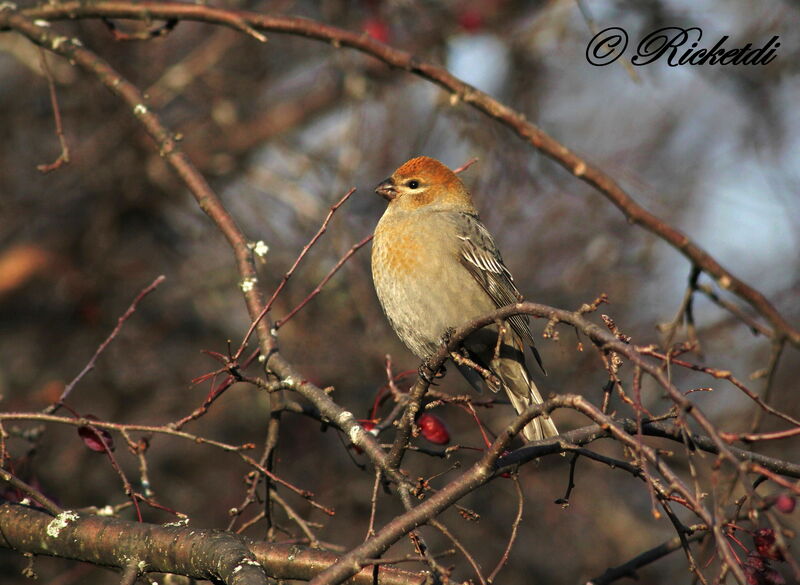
(254,480)
(63,157)
(684,313)
(564,501)
(769,384)
(347,255)
(166,430)
(477,475)
(536,450)
(492,464)
(605,342)
(111,542)
(31,492)
(320,232)
(734,310)
(165,141)
(313,540)
(459,90)
(120,427)
(211,204)
(343,419)
(482,471)
(727,375)
(466,165)
(461,548)
(514,528)
(130,572)
(201,554)
(629,568)
(218,390)
(412,408)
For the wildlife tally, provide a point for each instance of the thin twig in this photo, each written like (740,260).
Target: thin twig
(514,528)
(30,491)
(323,228)
(373,505)
(466,165)
(564,502)
(628,569)
(296,518)
(63,157)
(721,375)
(130,573)
(461,548)
(90,365)
(771,369)
(355,248)
(460,92)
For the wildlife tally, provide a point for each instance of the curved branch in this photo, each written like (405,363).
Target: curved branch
(211,204)
(494,462)
(661,429)
(581,169)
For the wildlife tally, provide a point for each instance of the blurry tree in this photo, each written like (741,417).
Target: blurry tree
(144,426)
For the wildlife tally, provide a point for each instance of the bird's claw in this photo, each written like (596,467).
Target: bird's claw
(426,371)
(447,336)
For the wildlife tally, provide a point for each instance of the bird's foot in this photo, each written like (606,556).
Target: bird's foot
(426,371)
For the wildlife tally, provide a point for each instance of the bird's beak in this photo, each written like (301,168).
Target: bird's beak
(386,189)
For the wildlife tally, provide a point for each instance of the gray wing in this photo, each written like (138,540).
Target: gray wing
(480,256)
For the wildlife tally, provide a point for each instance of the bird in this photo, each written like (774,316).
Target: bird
(435,266)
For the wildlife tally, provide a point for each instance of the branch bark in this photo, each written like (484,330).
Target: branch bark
(532,134)
(200,554)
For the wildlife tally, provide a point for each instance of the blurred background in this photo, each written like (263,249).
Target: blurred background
(282,130)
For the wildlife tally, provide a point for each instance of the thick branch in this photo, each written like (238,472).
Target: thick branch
(201,554)
(492,464)
(208,202)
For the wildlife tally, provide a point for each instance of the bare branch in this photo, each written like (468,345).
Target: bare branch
(459,90)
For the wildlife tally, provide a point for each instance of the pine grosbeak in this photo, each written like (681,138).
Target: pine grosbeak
(436,267)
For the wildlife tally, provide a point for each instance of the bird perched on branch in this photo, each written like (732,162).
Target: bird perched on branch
(435,267)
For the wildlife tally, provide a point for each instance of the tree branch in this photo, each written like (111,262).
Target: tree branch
(535,136)
(201,554)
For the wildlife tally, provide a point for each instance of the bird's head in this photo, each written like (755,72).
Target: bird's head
(425,182)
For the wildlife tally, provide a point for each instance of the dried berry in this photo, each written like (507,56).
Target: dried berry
(96,439)
(764,539)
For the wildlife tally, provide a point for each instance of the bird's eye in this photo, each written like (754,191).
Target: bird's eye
(413,184)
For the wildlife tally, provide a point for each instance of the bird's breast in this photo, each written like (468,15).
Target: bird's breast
(406,264)
(399,251)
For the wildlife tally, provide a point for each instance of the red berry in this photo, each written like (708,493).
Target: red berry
(758,572)
(773,577)
(785,503)
(470,20)
(377,29)
(433,429)
(764,539)
(753,569)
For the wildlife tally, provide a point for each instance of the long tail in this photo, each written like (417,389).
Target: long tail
(540,427)
(523,392)
(509,367)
